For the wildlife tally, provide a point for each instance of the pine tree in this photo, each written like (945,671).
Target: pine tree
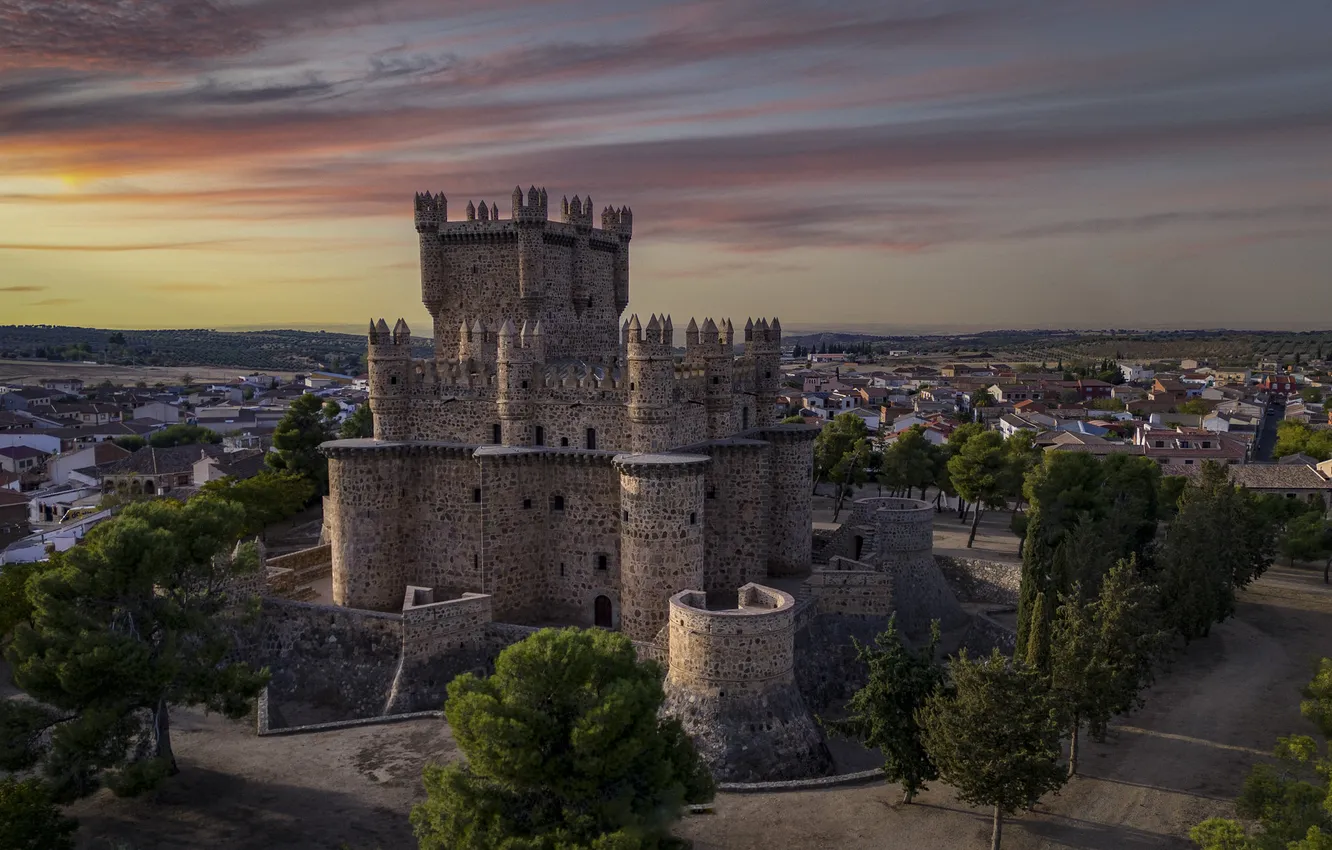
(565,749)
(996,736)
(1103,652)
(882,714)
(297,438)
(138,618)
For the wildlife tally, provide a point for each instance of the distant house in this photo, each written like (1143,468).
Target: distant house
(29,398)
(159,411)
(67,386)
(1294,481)
(240,465)
(1134,373)
(86,412)
(22,460)
(152,471)
(87,458)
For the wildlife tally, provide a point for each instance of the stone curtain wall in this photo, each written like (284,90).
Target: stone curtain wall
(433,629)
(791,511)
(851,588)
(314,557)
(661,536)
(581,516)
(731,682)
(443,547)
(328,662)
(737,506)
(980,580)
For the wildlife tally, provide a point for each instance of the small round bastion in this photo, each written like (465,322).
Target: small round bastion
(731,683)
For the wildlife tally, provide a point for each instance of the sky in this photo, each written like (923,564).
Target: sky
(896,164)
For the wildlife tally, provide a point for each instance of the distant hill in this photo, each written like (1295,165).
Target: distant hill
(278,350)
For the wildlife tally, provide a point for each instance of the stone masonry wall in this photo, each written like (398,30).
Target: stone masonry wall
(661,536)
(791,511)
(369,537)
(851,588)
(731,682)
(904,540)
(981,580)
(737,493)
(581,553)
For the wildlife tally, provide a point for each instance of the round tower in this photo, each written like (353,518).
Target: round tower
(661,536)
(651,370)
(516,370)
(365,520)
(791,540)
(390,362)
(731,683)
(904,550)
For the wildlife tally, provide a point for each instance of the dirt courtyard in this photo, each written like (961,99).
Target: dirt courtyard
(1180,760)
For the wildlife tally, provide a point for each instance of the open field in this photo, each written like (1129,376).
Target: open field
(1220,707)
(33,371)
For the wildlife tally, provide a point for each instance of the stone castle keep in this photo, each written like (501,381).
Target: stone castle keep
(551,464)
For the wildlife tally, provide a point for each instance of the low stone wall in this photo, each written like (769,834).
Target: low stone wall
(328,663)
(981,580)
(432,629)
(985,634)
(287,575)
(850,588)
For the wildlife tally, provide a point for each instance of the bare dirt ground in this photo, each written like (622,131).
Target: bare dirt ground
(1219,708)
(31,372)
(1180,760)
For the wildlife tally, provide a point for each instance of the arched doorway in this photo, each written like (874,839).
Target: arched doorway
(601,612)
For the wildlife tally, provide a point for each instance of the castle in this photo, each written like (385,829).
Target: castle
(567,465)
(552,465)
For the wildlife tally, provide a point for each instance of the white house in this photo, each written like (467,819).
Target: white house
(1133,373)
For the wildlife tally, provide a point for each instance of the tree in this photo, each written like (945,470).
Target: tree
(1195,407)
(1217,543)
(793,419)
(331,410)
(565,749)
(137,618)
(842,455)
(182,434)
(297,438)
(882,714)
(247,393)
(908,461)
(1311,395)
(1295,437)
(268,497)
(30,820)
(1309,538)
(1103,652)
(361,425)
(1106,403)
(980,474)
(995,736)
(1290,803)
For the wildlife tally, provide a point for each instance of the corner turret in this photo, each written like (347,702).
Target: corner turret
(764,346)
(389,360)
(651,368)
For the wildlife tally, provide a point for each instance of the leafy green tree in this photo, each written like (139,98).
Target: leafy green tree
(30,820)
(1311,395)
(138,618)
(1292,804)
(1106,403)
(882,714)
(1023,456)
(1103,652)
(995,736)
(182,434)
(247,393)
(793,419)
(1308,537)
(842,456)
(297,438)
(1195,407)
(1294,437)
(1037,655)
(908,462)
(565,749)
(980,473)
(1218,542)
(361,424)
(268,497)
